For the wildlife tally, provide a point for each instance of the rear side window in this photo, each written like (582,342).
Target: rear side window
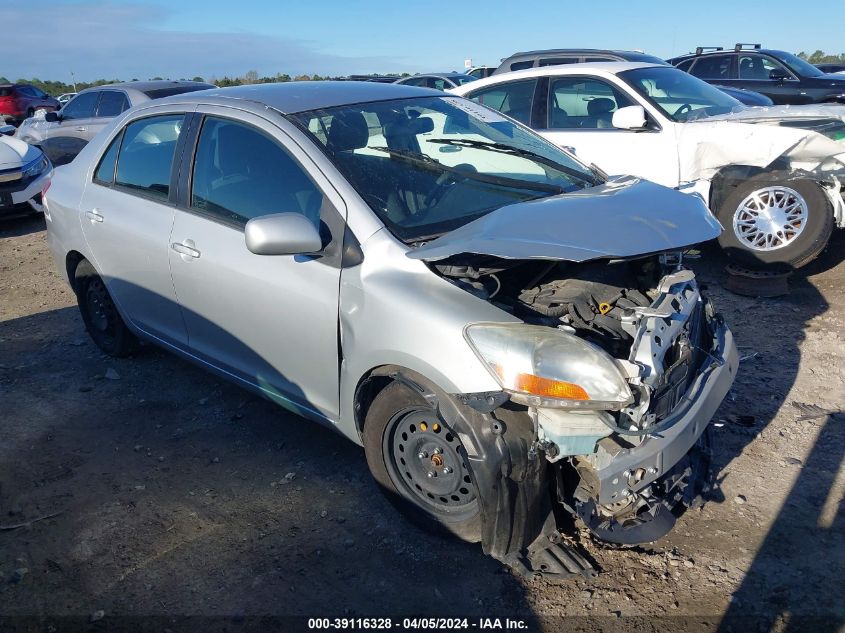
(81,106)
(105,171)
(558,61)
(522,65)
(6,91)
(146,155)
(240,173)
(712,67)
(514,98)
(111,103)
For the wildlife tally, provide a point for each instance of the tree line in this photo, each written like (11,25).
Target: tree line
(56,88)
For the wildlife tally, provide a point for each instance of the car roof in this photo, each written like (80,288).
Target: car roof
(730,51)
(299,96)
(153,84)
(593,68)
(554,51)
(610,68)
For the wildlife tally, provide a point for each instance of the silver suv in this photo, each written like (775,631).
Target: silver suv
(503,329)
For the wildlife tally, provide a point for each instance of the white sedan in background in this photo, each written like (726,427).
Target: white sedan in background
(24,174)
(773,176)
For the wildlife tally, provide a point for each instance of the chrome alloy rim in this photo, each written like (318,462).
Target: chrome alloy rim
(770,218)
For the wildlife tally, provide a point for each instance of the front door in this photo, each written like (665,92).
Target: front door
(126,216)
(269,320)
(65,138)
(579,118)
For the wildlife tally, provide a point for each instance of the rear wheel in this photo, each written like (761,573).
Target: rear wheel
(102,320)
(775,223)
(420,464)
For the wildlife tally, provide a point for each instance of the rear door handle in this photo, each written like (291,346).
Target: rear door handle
(81,128)
(186,249)
(94,215)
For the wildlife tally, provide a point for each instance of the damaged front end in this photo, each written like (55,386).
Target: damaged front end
(608,386)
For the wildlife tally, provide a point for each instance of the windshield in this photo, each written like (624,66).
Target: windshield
(429,165)
(798,65)
(680,96)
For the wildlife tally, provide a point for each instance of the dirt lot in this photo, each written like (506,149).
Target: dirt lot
(176,494)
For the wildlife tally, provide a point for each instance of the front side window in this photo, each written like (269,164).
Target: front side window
(680,96)
(460,80)
(81,106)
(712,67)
(146,155)
(758,68)
(522,65)
(559,61)
(111,103)
(514,99)
(241,173)
(428,165)
(583,103)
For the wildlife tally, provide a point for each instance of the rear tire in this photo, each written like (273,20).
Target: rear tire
(402,437)
(790,242)
(102,320)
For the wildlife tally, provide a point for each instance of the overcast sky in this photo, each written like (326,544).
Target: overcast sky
(129,39)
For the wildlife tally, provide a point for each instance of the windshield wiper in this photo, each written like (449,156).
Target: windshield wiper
(504,148)
(429,162)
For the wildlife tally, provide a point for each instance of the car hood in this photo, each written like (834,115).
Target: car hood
(802,139)
(624,217)
(15,153)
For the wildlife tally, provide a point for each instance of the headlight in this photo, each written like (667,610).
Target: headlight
(36,167)
(541,366)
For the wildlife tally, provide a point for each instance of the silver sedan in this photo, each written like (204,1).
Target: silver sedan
(505,330)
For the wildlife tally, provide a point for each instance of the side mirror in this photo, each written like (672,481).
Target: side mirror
(282,234)
(7,130)
(778,74)
(52,117)
(629,118)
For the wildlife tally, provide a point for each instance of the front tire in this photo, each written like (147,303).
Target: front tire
(775,223)
(102,320)
(420,464)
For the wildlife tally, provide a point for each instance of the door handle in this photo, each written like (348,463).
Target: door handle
(186,249)
(94,215)
(81,128)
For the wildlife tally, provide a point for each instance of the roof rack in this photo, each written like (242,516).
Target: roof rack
(701,49)
(740,45)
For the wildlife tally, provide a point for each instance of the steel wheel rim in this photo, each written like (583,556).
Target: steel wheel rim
(100,308)
(416,444)
(770,218)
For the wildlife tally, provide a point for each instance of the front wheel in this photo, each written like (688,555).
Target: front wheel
(420,464)
(775,223)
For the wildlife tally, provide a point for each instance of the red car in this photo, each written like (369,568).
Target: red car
(19,101)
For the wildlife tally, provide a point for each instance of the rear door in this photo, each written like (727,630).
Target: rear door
(271,321)
(127,213)
(110,104)
(65,138)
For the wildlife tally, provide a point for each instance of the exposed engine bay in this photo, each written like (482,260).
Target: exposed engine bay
(649,315)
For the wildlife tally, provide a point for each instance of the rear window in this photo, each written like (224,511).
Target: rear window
(161,93)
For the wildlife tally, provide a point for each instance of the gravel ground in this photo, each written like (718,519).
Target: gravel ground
(146,487)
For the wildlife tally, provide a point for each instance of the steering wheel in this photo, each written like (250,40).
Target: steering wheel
(444,182)
(684,109)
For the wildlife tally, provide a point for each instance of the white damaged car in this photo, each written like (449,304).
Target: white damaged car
(772,176)
(24,175)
